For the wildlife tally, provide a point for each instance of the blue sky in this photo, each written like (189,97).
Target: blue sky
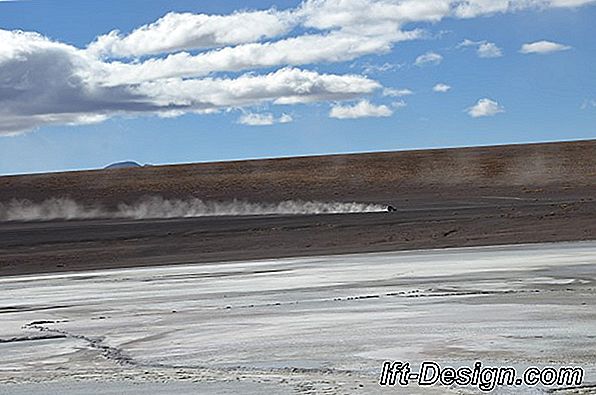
(95,112)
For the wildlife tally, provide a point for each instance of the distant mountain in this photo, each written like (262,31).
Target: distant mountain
(123,165)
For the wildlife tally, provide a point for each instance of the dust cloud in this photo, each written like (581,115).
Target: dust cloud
(158,207)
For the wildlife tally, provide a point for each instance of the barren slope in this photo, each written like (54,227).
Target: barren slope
(445,198)
(364,177)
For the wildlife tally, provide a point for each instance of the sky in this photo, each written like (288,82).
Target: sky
(87,83)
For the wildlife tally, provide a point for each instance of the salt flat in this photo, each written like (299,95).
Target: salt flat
(300,325)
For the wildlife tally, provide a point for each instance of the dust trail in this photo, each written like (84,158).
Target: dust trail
(157,207)
(54,208)
(162,208)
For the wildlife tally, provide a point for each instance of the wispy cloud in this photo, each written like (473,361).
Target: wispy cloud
(399,104)
(429,58)
(588,103)
(394,92)
(369,68)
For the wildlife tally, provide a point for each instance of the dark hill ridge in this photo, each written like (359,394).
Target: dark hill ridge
(122,165)
(371,177)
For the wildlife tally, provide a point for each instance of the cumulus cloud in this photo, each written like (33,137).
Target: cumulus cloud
(489,50)
(284,86)
(265,119)
(181,62)
(429,58)
(484,49)
(543,47)
(253,119)
(362,109)
(441,88)
(485,108)
(186,31)
(43,82)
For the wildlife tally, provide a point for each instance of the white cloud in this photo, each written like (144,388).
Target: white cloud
(484,49)
(366,19)
(285,118)
(394,92)
(284,86)
(588,103)
(485,108)
(302,50)
(252,119)
(474,8)
(432,58)
(469,43)
(441,88)
(362,109)
(185,31)
(63,85)
(489,50)
(399,104)
(543,47)
(569,3)
(376,68)
(264,119)
(168,67)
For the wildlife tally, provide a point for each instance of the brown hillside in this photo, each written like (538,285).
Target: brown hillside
(371,177)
